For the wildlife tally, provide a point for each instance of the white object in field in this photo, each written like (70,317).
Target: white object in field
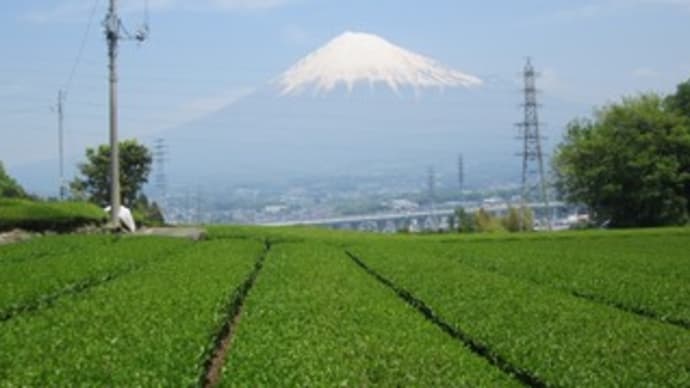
(125,217)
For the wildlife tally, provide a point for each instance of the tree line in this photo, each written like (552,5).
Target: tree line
(630,162)
(93,182)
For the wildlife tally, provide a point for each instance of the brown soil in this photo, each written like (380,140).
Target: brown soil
(214,372)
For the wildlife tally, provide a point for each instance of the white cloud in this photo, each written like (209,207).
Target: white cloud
(68,11)
(207,105)
(645,72)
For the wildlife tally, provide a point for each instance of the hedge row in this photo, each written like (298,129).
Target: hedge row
(41,216)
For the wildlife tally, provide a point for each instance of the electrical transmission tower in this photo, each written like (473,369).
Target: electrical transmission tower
(533,180)
(114,32)
(160,180)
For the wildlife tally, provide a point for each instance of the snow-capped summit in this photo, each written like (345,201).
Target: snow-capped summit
(354,57)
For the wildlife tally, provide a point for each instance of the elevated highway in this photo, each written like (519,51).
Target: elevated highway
(414,220)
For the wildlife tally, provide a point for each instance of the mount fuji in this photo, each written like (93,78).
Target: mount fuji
(359,57)
(359,106)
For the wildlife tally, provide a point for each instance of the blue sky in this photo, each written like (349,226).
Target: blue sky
(204,54)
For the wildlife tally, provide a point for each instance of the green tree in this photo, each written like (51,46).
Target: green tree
(465,221)
(9,188)
(518,219)
(629,164)
(451,224)
(485,223)
(94,184)
(149,212)
(680,101)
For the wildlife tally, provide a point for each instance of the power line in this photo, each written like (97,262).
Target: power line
(62,95)
(84,38)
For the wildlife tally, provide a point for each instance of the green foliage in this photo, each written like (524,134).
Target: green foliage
(316,319)
(588,308)
(680,101)
(94,185)
(651,272)
(49,246)
(518,220)
(152,327)
(466,222)
(561,339)
(630,164)
(148,213)
(484,222)
(42,216)
(512,222)
(451,223)
(9,188)
(29,283)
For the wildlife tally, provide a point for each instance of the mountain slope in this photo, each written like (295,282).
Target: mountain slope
(357,107)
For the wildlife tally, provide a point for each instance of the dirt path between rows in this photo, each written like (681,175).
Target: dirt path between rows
(214,365)
(220,354)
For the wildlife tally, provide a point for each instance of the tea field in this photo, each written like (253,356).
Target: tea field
(305,307)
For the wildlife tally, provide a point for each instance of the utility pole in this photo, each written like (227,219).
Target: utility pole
(461,175)
(533,181)
(113,33)
(61,119)
(432,195)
